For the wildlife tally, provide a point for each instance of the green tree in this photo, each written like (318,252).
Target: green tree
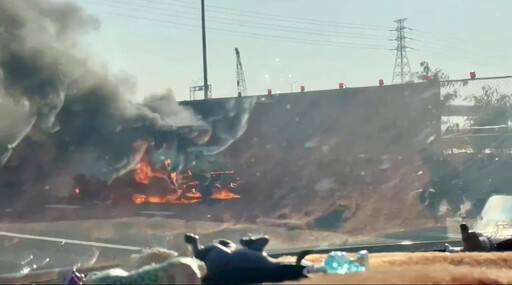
(427,73)
(496,113)
(480,175)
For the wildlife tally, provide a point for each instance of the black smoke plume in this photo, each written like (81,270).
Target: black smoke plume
(59,115)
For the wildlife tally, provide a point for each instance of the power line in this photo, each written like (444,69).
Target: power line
(150,19)
(466,57)
(281,18)
(464,43)
(256,35)
(443,54)
(451,38)
(461,57)
(456,51)
(316,21)
(223,20)
(266,36)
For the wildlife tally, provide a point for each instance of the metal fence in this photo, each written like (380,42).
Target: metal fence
(459,91)
(477,110)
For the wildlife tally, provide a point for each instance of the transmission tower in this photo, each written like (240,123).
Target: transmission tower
(402,68)
(240,77)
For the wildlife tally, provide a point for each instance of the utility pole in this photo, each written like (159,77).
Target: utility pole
(205,64)
(402,68)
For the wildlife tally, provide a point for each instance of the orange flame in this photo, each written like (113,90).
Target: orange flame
(182,189)
(223,194)
(169,199)
(144,172)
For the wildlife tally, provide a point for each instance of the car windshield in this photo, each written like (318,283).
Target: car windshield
(322,124)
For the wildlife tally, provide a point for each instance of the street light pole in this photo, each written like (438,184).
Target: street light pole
(205,65)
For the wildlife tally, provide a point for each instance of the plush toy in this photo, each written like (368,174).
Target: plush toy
(154,266)
(228,264)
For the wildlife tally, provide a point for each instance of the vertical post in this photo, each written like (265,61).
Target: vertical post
(205,65)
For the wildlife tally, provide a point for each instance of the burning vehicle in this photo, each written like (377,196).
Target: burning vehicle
(174,167)
(150,184)
(70,132)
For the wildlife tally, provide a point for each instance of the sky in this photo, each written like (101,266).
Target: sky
(288,43)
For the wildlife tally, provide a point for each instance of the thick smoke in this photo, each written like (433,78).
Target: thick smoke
(50,91)
(229,122)
(16,122)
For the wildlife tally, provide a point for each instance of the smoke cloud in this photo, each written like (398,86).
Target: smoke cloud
(52,93)
(229,120)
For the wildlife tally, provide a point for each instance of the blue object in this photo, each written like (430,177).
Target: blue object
(338,262)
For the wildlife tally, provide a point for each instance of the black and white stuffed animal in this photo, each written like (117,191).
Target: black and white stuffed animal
(250,264)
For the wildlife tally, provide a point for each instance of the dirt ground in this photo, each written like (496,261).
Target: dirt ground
(371,197)
(424,268)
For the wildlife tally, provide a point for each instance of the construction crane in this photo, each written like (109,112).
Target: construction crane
(240,77)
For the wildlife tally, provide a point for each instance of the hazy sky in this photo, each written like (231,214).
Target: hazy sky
(319,43)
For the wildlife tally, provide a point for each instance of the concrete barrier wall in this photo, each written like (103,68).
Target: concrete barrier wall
(395,119)
(340,160)
(381,120)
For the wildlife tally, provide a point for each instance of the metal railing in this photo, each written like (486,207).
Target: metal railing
(461,92)
(476,110)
